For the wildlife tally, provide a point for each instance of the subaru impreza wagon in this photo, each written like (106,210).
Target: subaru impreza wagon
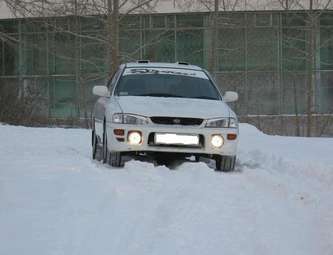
(149,109)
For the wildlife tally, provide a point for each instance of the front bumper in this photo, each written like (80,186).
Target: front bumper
(229,147)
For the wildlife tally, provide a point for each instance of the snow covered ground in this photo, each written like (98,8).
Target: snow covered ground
(55,200)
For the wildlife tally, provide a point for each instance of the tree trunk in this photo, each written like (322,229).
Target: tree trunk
(297,122)
(108,60)
(311,76)
(212,63)
(115,54)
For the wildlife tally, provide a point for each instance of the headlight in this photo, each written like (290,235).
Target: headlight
(222,123)
(131,119)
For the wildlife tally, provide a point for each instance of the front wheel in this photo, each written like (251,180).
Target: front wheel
(112,158)
(93,144)
(225,163)
(105,154)
(116,159)
(96,150)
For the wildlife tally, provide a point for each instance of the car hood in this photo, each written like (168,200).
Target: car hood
(173,107)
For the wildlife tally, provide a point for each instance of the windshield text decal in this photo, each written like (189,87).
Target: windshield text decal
(159,71)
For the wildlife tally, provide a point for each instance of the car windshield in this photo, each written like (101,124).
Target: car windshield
(166,83)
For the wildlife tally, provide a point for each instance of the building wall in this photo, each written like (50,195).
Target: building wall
(261,55)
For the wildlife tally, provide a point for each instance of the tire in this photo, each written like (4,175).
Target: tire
(96,149)
(225,163)
(105,151)
(93,144)
(114,159)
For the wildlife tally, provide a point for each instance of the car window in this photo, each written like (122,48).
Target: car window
(167,84)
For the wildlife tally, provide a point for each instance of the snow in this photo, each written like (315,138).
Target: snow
(56,200)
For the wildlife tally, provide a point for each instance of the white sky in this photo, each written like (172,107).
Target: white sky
(4,11)
(169,6)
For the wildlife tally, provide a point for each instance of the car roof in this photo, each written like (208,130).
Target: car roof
(178,65)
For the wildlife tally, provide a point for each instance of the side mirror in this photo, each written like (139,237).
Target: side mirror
(230,96)
(101,91)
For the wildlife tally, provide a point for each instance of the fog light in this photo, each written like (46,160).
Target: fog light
(134,137)
(217,141)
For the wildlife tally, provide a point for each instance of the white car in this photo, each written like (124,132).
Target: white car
(163,109)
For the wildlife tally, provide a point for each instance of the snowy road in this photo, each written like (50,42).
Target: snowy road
(55,200)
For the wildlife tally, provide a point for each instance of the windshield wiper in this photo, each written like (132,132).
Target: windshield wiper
(206,97)
(159,95)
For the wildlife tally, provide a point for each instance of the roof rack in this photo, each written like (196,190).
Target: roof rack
(182,63)
(142,61)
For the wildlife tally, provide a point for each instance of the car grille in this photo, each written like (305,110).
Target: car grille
(177,121)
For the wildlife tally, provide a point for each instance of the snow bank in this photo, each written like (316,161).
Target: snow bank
(56,200)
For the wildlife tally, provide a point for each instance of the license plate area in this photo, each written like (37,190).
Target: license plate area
(174,139)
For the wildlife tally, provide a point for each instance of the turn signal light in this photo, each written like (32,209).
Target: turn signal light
(119,132)
(232,136)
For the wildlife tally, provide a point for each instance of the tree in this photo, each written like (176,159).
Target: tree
(109,12)
(114,10)
(313,10)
